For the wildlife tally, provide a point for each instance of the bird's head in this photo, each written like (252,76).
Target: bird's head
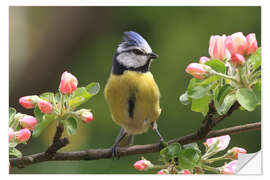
(134,52)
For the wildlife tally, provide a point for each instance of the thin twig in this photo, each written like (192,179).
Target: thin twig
(212,119)
(94,154)
(58,143)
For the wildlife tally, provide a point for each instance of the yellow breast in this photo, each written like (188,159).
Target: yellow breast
(146,110)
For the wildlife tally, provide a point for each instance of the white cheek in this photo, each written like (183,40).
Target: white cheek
(130,60)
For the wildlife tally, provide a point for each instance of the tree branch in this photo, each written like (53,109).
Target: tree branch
(94,154)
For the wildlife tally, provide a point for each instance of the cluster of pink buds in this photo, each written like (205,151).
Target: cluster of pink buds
(214,145)
(29,102)
(49,106)
(235,48)
(67,86)
(241,46)
(27,123)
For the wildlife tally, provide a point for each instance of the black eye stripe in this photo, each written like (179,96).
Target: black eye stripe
(137,52)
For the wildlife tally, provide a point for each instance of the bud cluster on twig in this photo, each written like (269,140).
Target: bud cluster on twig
(50,107)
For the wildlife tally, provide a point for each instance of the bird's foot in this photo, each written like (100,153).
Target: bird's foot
(162,144)
(115,152)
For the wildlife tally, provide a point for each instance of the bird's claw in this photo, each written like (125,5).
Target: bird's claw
(115,152)
(162,144)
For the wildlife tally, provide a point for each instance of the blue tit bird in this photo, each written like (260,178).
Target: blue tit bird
(131,91)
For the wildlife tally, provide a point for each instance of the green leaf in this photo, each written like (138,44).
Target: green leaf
(93,88)
(255,59)
(48,96)
(198,92)
(12,144)
(257,90)
(189,158)
(223,100)
(174,149)
(82,94)
(222,92)
(201,105)
(41,126)
(247,98)
(38,114)
(170,152)
(57,97)
(184,98)
(192,84)
(197,88)
(15,152)
(192,146)
(229,100)
(12,112)
(216,65)
(209,80)
(70,125)
(43,121)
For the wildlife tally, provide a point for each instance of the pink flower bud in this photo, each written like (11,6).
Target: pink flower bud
(68,83)
(233,153)
(28,122)
(163,171)
(45,106)
(217,49)
(238,60)
(204,59)
(252,45)
(22,135)
(10,134)
(185,171)
(236,43)
(199,71)
(27,102)
(222,144)
(86,116)
(142,164)
(229,168)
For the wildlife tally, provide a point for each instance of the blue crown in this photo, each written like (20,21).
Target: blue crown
(132,38)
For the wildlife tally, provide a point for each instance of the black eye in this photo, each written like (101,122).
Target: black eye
(137,52)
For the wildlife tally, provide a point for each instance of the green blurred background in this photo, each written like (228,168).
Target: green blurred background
(46,41)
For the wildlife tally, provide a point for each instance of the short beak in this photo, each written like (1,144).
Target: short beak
(153,55)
